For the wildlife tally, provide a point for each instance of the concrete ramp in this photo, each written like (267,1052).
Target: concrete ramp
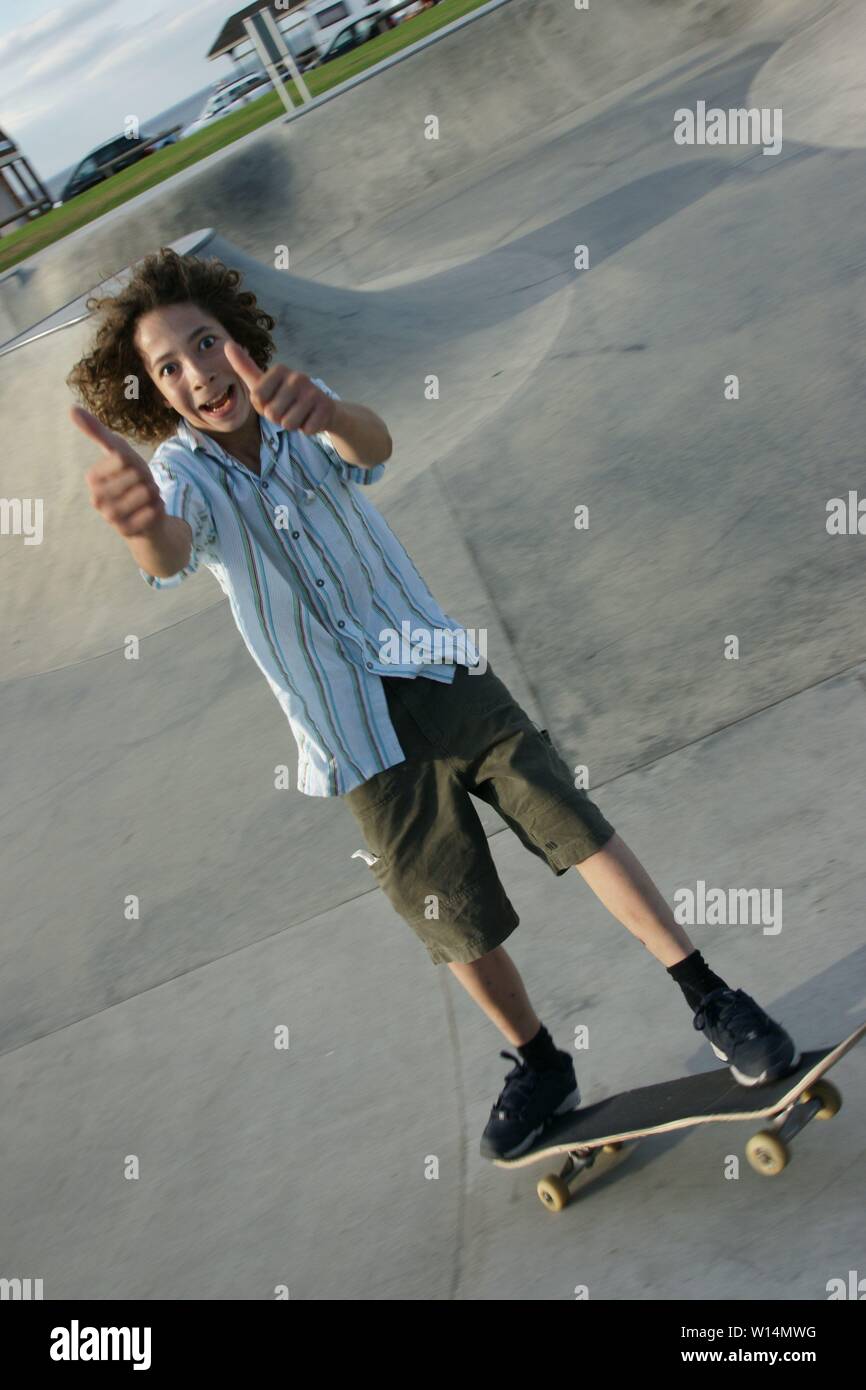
(334,183)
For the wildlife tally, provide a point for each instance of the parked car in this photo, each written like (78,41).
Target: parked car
(171,138)
(226,99)
(351,34)
(376,19)
(398,14)
(104,161)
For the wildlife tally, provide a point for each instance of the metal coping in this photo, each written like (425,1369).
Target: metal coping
(75,311)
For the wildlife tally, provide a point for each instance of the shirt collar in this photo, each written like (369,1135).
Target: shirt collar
(272,437)
(195,439)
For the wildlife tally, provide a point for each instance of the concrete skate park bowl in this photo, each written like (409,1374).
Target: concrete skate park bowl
(167,908)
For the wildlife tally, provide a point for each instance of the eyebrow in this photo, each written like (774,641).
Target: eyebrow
(202,328)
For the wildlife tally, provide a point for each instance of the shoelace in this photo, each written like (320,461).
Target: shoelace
(734,1011)
(525,1081)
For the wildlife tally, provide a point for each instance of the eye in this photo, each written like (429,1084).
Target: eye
(164,368)
(209,338)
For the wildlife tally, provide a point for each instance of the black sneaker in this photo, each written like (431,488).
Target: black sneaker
(739,1032)
(527,1102)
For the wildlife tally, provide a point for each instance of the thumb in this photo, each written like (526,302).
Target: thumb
(240,361)
(93,428)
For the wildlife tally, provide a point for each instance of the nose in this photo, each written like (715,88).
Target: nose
(200,378)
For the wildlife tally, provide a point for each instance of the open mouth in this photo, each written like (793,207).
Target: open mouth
(219,405)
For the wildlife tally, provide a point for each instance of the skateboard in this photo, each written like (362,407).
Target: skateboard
(600,1131)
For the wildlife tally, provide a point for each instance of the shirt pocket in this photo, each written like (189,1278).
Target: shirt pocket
(311,461)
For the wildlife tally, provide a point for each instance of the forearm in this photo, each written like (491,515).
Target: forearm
(165,550)
(359,435)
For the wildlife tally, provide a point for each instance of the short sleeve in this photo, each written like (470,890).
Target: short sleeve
(183,498)
(352,472)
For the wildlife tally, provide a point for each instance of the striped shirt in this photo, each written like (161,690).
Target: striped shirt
(324,595)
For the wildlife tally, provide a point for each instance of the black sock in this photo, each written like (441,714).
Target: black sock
(541,1052)
(695,978)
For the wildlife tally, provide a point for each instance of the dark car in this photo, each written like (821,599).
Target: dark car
(104,161)
(376,19)
(350,35)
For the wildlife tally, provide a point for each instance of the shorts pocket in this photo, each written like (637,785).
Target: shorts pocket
(378,790)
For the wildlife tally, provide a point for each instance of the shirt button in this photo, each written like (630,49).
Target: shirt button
(341,623)
(265,484)
(320,583)
(369,665)
(295,535)
(310,496)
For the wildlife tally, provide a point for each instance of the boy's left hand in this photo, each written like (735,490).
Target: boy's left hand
(284,397)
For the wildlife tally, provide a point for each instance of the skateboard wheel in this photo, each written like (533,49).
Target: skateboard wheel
(767,1153)
(611,1148)
(553,1192)
(828,1094)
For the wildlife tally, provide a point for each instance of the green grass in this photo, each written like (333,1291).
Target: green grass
(162,164)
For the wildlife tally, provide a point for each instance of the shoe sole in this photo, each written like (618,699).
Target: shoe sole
(771,1074)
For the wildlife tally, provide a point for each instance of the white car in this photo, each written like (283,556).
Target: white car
(225,100)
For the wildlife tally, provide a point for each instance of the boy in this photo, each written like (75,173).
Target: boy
(260,474)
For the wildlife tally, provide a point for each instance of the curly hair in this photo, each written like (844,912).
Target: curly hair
(99,378)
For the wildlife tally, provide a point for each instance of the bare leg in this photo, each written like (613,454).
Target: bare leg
(621,882)
(496,986)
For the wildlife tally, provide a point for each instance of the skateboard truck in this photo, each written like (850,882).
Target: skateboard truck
(768,1151)
(555,1189)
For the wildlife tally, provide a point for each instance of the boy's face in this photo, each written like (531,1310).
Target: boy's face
(182,348)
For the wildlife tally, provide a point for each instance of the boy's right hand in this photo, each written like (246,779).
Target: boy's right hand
(122,488)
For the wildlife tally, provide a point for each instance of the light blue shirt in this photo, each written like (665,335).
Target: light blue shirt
(318,586)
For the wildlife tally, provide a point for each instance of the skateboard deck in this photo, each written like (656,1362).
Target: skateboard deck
(604,1128)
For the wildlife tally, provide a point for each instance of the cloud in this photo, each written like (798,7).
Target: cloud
(48,56)
(143,42)
(54,28)
(79,73)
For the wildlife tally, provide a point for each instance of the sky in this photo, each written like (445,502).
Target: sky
(71,73)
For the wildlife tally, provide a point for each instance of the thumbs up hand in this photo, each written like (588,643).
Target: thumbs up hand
(284,397)
(122,487)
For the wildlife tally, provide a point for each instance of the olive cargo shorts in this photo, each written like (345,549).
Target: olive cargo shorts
(433,863)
